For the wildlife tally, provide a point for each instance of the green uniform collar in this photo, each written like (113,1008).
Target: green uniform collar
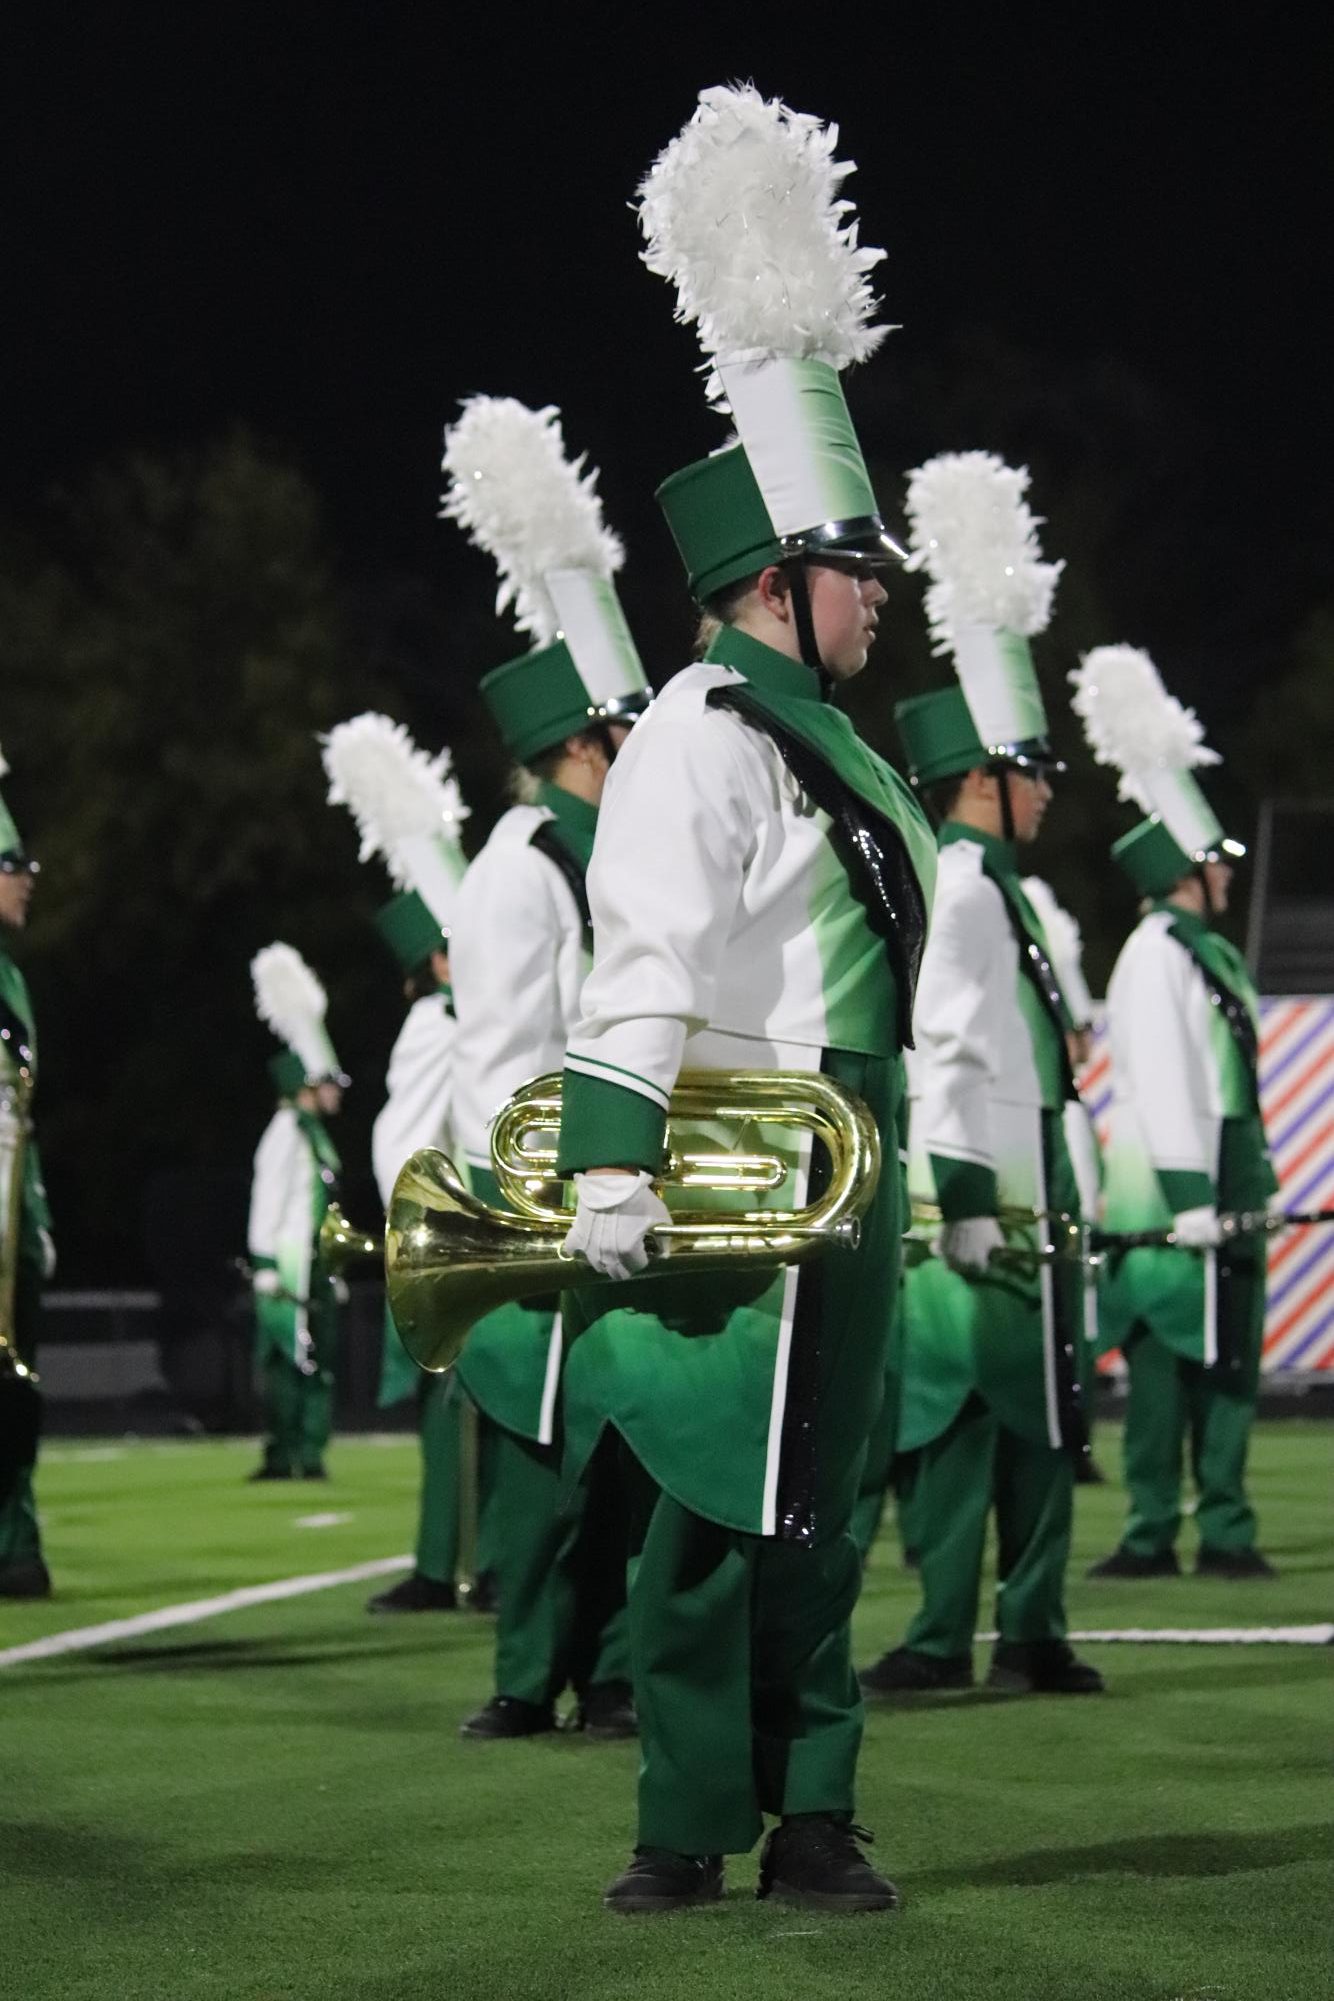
(764,666)
(1000,855)
(791,695)
(576,820)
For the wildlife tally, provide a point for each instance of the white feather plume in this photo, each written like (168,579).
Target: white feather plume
(742,213)
(288,996)
(973,533)
(532,509)
(394,790)
(1132,723)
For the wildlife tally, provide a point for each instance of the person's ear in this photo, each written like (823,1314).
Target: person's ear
(772,589)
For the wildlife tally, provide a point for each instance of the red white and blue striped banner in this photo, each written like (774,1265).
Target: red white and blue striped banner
(1297,1095)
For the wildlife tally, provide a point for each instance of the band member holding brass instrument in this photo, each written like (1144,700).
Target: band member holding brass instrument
(297,1298)
(1186,1140)
(27,1252)
(759,889)
(520,953)
(409,812)
(992,1405)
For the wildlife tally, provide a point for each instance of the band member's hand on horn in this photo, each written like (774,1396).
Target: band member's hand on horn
(616,1212)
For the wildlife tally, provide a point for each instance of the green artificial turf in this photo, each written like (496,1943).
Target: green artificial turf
(274,1805)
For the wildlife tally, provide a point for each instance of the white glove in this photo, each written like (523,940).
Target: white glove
(615,1214)
(1198,1229)
(340,1289)
(267,1282)
(1277,1205)
(967,1246)
(48,1243)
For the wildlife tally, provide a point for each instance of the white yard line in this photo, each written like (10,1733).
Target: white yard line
(1205,1636)
(79,1638)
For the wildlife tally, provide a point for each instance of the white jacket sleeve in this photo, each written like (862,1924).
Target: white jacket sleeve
(417,1109)
(1153,1056)
(674,837)
(967,977)
(514,910)
(282,1224)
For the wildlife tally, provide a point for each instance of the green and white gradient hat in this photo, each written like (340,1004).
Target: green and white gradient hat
(742,213)
(409,811)
(290,999)
(11,841)
(537,514)
(989,591)
(1155,745)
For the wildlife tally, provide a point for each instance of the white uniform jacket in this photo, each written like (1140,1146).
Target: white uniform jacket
(518,955)
(757,952)
(284,1210)
(416,1111)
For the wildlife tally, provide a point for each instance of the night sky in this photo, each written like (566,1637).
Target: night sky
(329,223)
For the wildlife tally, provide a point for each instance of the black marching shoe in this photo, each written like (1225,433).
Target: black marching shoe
(508,1716)
(1233,1563)
(606,1712)
(27,1577)
(268,1471)
(1041,1667)
(1088,1473)
(414,1594)
(659,1880)
(904,1671)
(1125,1562)
(814,1859)
(483,1593)
(317,1472)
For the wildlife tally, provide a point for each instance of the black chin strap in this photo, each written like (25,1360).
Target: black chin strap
(1007,810)
(794,569)
(1202,871)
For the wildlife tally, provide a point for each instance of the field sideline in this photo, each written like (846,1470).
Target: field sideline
(273,1805)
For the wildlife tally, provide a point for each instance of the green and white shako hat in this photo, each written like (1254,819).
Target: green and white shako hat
(1155,745)
(12,850)
(742,213)
(537,514)
(409,811)
(290,999)
(988,592)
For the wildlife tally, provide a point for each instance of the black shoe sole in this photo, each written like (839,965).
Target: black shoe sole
(850,1906)
(661,1907)
(1011,1681)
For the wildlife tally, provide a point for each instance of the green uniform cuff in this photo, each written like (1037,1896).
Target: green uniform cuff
(1186,1188)
(263,1264)
(607,1125)
(964,1188)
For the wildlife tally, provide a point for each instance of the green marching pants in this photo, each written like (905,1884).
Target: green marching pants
(559,1564)
(20,1537)
(975,1464)
(443,1410)
(747,1700)
(298,1408)
(1173,1401)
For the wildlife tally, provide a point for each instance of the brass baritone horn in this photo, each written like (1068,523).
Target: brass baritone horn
(450,1258)
(342,1244)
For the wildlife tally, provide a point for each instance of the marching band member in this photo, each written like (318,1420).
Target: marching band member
(1186,1139)
(759,889)
(991,1353)
(520,954)
(410,813)
(27,1252)
(295,1180)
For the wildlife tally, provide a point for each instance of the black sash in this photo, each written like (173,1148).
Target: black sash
(14,1033)
(548,842)
(1233,1010)
(882,876)
(1038,970)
